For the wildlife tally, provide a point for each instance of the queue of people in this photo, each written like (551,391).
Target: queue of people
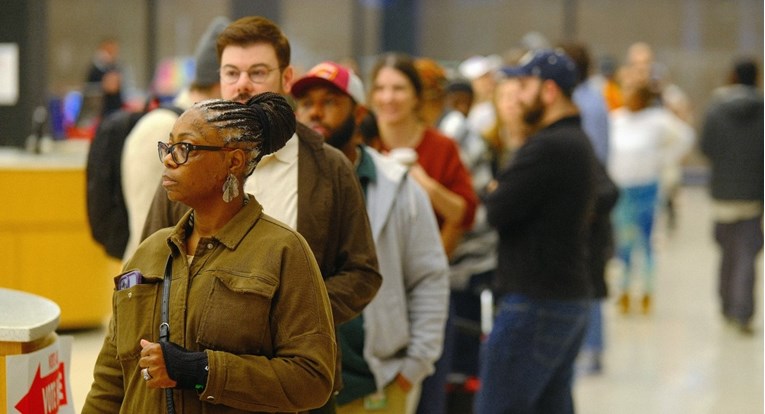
(293,259)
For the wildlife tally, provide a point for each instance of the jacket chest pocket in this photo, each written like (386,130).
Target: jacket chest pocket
(236,313)
(135,318)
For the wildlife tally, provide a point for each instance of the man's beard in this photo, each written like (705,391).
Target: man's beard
(343,134)
(532,114)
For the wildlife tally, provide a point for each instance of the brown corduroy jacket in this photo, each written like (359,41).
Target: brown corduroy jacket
(252,299)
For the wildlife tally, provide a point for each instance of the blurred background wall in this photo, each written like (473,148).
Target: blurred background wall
(695,39)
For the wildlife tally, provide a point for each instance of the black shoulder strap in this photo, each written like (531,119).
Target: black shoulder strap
(164,327)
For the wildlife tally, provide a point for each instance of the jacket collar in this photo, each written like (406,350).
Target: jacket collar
(309,137)
(230,235)
(365,170)
(566,121)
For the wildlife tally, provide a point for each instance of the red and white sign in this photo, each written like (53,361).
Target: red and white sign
(38,382)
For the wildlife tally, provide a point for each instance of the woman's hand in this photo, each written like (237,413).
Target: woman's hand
(418,173)
(491,186)
(403,383)
(153,360)
(447,204)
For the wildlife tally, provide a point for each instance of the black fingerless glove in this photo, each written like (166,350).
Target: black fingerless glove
(187,368)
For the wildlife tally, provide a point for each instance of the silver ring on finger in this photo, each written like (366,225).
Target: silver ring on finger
(145,374)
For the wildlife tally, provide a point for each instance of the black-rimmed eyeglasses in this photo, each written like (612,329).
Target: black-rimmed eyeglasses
(180,150)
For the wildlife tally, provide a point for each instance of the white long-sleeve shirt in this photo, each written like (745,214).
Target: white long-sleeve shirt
(645,143)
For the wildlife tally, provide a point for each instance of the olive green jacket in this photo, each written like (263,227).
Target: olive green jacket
(252,299)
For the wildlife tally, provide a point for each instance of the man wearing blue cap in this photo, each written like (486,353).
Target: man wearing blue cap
(541,206)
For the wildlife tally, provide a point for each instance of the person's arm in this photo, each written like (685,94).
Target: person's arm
(606,191)
(451,236)
(141,168)
(426,280)
(594,116)
(454,201)
(107,392)
(678,139)
(448,204)
(707,141)
(520,188)
(162,213)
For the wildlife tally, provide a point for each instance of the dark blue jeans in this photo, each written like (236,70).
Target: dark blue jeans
(527,361)
(593,337)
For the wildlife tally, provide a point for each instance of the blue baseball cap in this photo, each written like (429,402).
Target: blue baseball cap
(546,64)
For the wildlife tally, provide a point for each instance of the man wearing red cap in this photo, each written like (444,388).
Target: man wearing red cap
(392,346)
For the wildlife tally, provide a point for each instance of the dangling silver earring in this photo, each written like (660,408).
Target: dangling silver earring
(230,188)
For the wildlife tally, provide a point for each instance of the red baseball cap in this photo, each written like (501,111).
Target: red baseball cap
(331,73)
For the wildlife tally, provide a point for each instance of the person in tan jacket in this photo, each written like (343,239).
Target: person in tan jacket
(250,324)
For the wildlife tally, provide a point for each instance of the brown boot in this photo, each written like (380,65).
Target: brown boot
(645,305)
(624,303)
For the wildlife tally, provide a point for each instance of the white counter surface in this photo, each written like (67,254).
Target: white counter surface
(68,154)
(25,317)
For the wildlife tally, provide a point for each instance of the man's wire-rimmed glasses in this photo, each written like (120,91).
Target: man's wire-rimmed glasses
(258,74)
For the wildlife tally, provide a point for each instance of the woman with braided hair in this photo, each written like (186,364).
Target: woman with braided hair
(250,327)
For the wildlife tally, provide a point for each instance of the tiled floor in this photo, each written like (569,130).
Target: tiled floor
(680,359)
(84,352)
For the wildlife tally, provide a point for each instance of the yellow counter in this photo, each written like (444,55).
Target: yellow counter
(46,248)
